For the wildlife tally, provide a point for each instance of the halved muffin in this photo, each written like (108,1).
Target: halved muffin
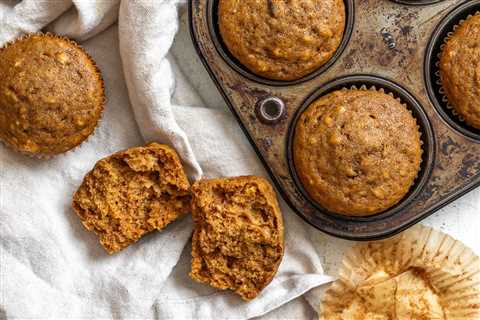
(238,237)
(131,193)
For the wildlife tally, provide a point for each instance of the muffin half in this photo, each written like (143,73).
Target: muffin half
(51,95)
(238,237)
(357,152)
(131,193)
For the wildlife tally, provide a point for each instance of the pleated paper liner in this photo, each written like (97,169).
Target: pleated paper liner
(419,274)
(42,156)
(438,79)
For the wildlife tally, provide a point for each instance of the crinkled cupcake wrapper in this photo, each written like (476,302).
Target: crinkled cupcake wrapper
(41,156)
(438,79)
(453,270)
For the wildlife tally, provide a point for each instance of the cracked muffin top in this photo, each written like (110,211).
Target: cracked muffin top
(282,40)
(357,152)
(460,70)
(51,95)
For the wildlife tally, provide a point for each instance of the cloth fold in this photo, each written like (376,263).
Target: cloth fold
(50,266)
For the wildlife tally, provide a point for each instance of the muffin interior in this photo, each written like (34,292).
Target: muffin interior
(132,193)
(238,238)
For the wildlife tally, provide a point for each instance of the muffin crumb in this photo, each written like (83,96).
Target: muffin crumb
(238,237)
(131,193)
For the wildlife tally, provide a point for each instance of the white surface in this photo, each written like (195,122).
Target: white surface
(50,267)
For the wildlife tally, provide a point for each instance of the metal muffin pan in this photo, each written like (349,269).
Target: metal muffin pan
(385,45)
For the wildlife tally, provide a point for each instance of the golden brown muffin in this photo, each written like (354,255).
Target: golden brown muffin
(51,95)
(460,73)
(238,237)
(131,193)
(282,40)
(357,152)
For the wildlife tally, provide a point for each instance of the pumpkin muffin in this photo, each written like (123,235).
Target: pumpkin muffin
(238,237)
(51,95)
(459,71)
(282,40)
(357,152)
(131,193)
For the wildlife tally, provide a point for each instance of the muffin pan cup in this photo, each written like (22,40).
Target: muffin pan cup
(432,71)
(386,49)
(366,82)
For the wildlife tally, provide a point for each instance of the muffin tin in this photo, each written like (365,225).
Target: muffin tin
(387,45)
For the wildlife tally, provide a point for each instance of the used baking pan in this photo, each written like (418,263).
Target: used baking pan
(388,45)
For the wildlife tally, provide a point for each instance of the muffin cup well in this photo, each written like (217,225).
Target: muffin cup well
(42,156)
(435,89)
(222,49)
(451,268)
(368,82)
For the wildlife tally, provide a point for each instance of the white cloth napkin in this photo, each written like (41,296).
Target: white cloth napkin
(50,267)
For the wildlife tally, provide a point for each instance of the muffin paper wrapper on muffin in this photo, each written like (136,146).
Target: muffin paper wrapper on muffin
(451,268)
(438,80)
(40,156)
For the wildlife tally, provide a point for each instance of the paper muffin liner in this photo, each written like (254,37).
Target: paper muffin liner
(438,79)
(450,269)
(43,156)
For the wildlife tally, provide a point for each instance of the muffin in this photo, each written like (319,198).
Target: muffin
(238,240)
(282,40)
(419,274)
(357,152)
(131,193)
(51,95)
(459,71)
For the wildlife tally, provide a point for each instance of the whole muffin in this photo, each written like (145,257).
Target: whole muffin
(51,95)
(459,71)
(357,152)
(282,40)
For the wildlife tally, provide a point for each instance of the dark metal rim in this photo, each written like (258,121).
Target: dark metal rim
(433,49)
(237,66)
(417,2)
(427,139)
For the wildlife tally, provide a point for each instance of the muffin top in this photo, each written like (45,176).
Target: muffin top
(51,95)
(357,152)
(282,40)
(460,71)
